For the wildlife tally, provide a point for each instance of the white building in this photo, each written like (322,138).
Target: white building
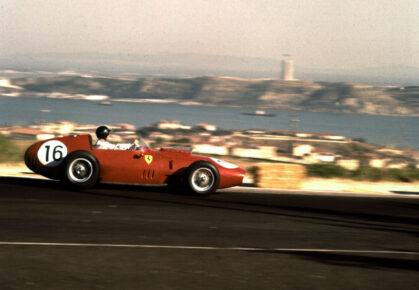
(261,152)
(172,125)
(301,150)
(208,127)
(210,149)
(349,164)
(325,157)
(378,163)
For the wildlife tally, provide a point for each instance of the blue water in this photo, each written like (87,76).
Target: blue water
(382,130)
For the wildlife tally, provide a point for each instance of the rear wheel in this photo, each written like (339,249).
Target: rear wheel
(81,169)
(202,178)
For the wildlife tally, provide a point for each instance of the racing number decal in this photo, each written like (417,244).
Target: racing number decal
(148,159)
(52,153)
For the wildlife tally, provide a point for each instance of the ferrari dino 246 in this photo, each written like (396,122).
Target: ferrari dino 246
(75,161)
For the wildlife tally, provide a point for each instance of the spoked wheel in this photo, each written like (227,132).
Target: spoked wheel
(203,178)
(81,169)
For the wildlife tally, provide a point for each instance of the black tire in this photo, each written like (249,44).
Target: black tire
(81,170)
(202,178)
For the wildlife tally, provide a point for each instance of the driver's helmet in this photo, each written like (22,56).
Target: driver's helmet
(102,132)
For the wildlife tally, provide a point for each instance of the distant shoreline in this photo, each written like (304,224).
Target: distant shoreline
(264,94)
(193,103)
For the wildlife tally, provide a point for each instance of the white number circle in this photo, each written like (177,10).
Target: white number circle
(52,153)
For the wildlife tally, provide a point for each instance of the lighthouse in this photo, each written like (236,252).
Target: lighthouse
(287,70)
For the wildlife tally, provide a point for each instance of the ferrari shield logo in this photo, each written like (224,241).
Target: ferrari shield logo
(148,159)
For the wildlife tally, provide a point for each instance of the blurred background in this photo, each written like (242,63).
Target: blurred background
(319,89)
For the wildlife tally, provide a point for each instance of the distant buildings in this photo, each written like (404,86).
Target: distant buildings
(29,134)
(278,146)
(60,128)
(5,83)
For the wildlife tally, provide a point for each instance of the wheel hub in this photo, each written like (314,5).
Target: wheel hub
(203,179)
(80,170)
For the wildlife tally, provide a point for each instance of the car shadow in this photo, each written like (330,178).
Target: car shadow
(406,192)
(100,189)
(32,182)
(368,261)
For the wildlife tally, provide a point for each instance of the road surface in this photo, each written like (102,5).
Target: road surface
(134,237)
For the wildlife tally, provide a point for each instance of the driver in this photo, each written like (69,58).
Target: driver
(102,133)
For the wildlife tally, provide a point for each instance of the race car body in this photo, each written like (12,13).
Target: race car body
(73,159)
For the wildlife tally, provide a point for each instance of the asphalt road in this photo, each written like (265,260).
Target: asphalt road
(132,237)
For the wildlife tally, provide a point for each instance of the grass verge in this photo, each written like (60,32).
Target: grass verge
(409,174)
(11,151)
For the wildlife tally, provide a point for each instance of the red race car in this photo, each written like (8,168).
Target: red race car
(74,160)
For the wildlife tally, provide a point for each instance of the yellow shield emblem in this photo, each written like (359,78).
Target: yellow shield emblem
(148,159)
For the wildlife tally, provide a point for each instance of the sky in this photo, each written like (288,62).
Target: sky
(343,34)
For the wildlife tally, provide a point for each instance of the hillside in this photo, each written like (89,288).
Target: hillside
(224,91)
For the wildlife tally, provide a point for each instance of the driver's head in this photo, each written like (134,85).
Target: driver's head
(102,132)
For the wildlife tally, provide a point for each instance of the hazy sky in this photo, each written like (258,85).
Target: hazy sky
(318,33)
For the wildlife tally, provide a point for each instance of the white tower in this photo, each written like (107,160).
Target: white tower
(287,70)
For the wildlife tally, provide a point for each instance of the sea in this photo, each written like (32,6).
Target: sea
(381,130)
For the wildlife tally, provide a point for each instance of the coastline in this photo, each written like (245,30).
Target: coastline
(95,98)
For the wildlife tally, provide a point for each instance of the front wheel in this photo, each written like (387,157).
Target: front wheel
(81,169)
(202,178)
